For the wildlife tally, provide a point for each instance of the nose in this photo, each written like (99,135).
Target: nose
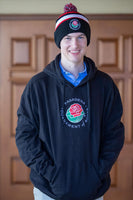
(74,42)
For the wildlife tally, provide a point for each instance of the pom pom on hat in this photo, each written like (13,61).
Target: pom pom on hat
(71,21)
(69,7)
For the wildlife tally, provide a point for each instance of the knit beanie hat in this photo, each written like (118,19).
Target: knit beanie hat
(71,21)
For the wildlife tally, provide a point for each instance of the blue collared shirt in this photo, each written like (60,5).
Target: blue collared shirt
(70,77)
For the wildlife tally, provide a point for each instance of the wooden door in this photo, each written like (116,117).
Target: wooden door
(112,49)
(25,48)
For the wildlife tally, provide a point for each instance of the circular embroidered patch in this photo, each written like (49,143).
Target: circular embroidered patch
(75,113)
(74,24)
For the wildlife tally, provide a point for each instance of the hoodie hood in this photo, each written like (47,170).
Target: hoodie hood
(54,71)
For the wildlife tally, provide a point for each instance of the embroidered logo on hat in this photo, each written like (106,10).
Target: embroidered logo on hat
(74,24)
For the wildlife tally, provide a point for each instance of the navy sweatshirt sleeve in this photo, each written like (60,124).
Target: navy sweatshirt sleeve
(31,149)
(113,130)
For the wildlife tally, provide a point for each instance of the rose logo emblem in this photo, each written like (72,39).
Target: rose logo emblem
(74,24)
(75,113)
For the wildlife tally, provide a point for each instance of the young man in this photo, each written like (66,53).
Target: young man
(69,129)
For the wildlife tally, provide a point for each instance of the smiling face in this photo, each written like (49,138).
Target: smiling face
(73,48)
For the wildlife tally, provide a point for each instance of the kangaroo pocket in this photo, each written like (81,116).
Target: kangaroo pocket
(75,181)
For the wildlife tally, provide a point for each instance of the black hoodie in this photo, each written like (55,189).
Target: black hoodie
(70,136)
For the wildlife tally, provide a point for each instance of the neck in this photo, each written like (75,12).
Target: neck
(73,68)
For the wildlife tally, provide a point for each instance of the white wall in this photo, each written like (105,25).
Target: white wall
(56,6)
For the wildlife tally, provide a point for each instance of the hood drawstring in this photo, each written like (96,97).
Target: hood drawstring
(88,98)
(89,115)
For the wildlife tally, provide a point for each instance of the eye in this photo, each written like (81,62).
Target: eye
(67,38)
(81,37)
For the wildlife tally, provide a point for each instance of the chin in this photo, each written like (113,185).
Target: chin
(76,60)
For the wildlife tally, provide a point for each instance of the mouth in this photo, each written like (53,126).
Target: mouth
(75,51)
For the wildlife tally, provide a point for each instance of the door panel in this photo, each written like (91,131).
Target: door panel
(25,49)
